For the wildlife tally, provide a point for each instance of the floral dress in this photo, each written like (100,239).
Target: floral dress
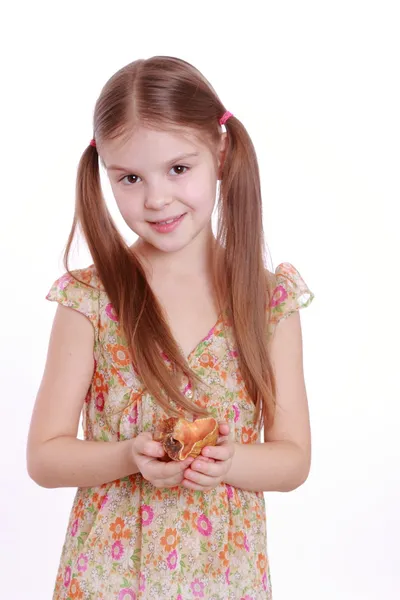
(127,540)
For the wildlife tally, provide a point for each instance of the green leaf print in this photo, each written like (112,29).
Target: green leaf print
(104,436)
(125,582)
(203,546)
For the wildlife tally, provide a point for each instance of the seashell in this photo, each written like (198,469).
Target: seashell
(181,438)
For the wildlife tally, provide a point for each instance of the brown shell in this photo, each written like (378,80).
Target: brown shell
(181,438)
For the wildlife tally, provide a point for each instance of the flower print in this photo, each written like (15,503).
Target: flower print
(170,539)
(206,360)
(133,415)
(246,543)
(120,354)
(248,435)
(279,295)
(111,312)
(237,413)
(127,594)
(229,491)
(204,525)
(117,528)
(147,514)
(172,560)
(247,597)
(67,576)
(99,383)
(223,556)
(265,582)
(197,588)
(179,597)
(82,562)
(74,528)
(75,590)
(117,550)
(262,563)
(100,402)
(142,582)
(238,539)
(227,576)
(64,281)
(103,501)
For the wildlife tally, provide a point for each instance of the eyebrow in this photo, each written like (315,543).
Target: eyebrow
(174,160)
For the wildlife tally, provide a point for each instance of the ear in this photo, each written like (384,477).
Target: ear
(221,154)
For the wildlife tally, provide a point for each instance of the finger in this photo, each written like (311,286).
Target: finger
(222,452)
(215,469)
(190,485)
(224,428)
(199,478)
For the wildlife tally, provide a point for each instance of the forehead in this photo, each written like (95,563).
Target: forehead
(150,147)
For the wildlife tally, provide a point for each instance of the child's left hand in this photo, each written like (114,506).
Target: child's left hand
(211,466)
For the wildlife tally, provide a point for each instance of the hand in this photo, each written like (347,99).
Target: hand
(209,469)
(147,454)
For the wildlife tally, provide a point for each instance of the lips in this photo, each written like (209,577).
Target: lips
(166,221)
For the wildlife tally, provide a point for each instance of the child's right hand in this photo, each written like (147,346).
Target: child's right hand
(147,454)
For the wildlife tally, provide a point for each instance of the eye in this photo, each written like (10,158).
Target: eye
(180,167)
(126,177)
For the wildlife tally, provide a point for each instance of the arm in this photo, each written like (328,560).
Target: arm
(282,462)
(55,457)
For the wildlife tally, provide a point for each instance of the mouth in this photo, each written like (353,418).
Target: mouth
(167,221)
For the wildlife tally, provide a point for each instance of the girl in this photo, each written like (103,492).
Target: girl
(129,347)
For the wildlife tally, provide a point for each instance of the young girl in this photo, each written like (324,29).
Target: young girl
(181,323)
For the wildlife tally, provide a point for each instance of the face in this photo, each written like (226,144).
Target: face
(164,184)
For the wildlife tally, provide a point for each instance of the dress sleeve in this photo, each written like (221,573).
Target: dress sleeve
(77,295)
(290,292)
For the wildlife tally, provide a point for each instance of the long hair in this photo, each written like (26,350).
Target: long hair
(167,93)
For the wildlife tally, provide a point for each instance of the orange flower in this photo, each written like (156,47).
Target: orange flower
(170,540)
(238,539)
(247,523)
(248,435)
(223,555)
(117,528)
(99,384)
(262,563)
(78,510)
(186,515)
(120,355)
(75,590)
(206,360)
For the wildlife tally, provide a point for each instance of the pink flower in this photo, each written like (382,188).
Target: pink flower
(133,417)
(110,312)
(147,514)
(246,544)
(74,528)
(237,413)
(67,576)
(204,525)
(279,296)
(179,597)
(117,550)
(100,402)
(142,582)
(265,582)
(64,281)
(172,560)
(127,594)
(247,597)
(104,501)
(227,576)
(229,491)
(197,588)
(82,562)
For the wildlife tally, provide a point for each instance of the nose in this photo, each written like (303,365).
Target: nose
(156,197)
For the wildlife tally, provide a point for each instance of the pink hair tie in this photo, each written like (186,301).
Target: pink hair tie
(93,143)
(225,117)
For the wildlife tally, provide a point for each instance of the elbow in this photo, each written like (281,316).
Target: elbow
(37,472)
(300,472)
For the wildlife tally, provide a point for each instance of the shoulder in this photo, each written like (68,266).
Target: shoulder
(80,290)
(288,292)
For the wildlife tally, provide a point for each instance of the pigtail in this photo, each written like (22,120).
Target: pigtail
(240,233)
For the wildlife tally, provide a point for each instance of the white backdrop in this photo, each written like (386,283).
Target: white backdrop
(316,84)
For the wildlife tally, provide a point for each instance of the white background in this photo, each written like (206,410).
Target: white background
(317,86)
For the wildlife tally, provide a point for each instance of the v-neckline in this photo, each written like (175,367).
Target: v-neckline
(209,335)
